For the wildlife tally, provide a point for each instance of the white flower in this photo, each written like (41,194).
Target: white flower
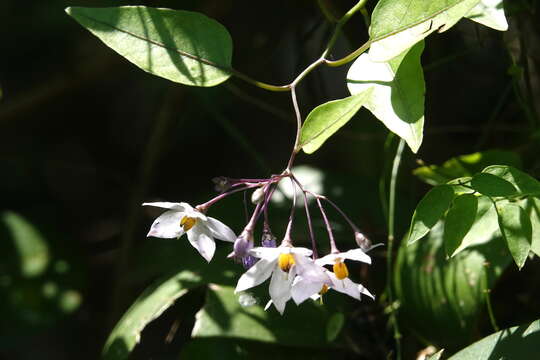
(201,230)
(305,287)
(283,264)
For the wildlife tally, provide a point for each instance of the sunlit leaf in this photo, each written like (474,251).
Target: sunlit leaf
(526,184)
(430,210)
(489,13)
(181,46)
(323,121)
(484,228)
(149,305)
(440,298)
(396,25)
(465,165)
(517,230)
(398,92)
(31,246)
(491,185)
(518,342)
(531,206)
(459,220)
(436,356)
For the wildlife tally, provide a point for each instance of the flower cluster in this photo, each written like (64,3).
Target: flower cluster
(295,272)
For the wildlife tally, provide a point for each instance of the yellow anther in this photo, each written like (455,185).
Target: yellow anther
(286,261)
(188,222)
(340,270)
(324,289)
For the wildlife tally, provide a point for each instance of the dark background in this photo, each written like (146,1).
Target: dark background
(86,137)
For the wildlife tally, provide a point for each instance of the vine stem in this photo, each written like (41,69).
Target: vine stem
(391,228)
(308,216)
(333,246)
(488,299)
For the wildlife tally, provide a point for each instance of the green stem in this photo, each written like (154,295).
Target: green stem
(391,227)
(488,300)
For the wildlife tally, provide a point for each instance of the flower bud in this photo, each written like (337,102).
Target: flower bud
(268,239)
(257,196)
(363,242)
(242,245)
(221,184)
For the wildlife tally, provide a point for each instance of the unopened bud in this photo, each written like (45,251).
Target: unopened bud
(268,239)
(221,184)
(242,245)
(362,241)
(257,196)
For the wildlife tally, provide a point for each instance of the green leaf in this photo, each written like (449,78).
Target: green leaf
(334,326)
(430,210)
(149,305)
(31,247)
(489,13)
(491,185)
(440,299)
(516,228)
(181,46)
(518,342)
(224,316)
(323,121)
(396,25)
(484,228)
(532,208)
(398,92)
(436,356)
(526,184)
(459,220)
(465,165)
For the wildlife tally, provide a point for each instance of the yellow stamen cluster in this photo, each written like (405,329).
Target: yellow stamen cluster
(285,261)
(324,289)
(187,222)
(340,270)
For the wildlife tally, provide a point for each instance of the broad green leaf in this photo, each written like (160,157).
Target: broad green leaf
(491,185)
(465,165)
(489,13)
(459,220)
(396,25)
(531,206)
(518,342)
(217,348)
(440,298)
(398,92)
(149,305)
(436,356)
(323,121)
(224,316)
(181,46)
(516,228)
(485,226)
(429,211)
(32,249)
(526,184)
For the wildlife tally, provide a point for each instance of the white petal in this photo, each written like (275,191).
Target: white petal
(167,225)
(345,286)
(201,241)
(265,253)
(167,205)
(267,306)
(310,270)
(303,289)
(280,288)
(329,259)
(193,213)
(220,230)
(357,255)
(365,291)
(301,251)
(256,274)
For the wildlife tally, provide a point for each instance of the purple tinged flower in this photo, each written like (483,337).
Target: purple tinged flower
(182,218)
(268,239)
(362,241)
(242,245)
